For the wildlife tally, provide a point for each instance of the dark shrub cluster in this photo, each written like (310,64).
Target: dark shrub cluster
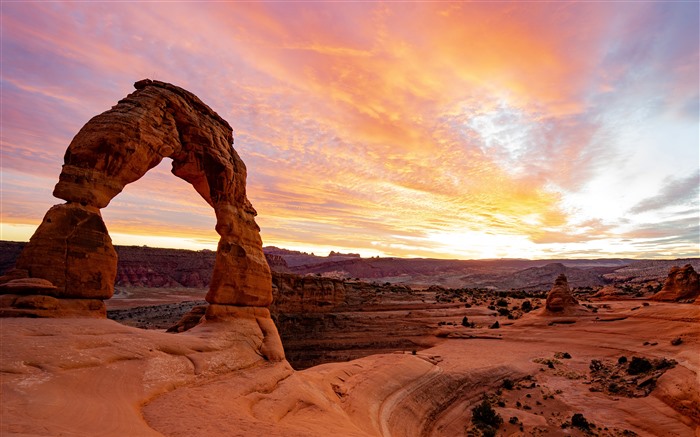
(639,365)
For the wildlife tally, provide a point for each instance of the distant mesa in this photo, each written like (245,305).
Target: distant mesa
(339,254)
(560,300)
(682,284)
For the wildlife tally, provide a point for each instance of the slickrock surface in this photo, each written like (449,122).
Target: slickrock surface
(96,377)
(683,283)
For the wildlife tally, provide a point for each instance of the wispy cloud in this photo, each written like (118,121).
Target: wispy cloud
(676,192)
(381,127)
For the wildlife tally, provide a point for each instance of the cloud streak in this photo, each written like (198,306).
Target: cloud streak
(376,127)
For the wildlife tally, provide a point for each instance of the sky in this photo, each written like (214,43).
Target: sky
(410,129)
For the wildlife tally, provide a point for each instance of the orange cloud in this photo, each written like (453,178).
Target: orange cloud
(363,125)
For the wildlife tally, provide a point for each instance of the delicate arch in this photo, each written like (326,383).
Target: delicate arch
(72,248)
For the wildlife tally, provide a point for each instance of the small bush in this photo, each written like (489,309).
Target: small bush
(502,303)
(526,306)
(578,421)
(484,416)
(639,365)
(465,321)
(664,363)
(595,366)
(508,384)
(513,420)
(504,311)
(676,341)
(488,431)
(622,360)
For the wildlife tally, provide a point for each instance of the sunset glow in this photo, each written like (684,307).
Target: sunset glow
(443,130)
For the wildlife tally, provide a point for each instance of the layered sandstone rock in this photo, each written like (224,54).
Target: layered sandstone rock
(559,298)
(304,294)
(72,249)
(682,284)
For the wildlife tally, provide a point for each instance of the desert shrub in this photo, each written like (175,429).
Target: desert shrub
(513,420)
(676,341)
(664,363)
(508,384)
(595,366)
(483,416)
(491,307)
(504,311)
(622,360)
(488,432)
(562,355)
(465,321)
(578,421)
(502,303)
(526,306)
(639,365)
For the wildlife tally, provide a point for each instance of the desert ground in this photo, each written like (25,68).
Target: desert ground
(86,377)
(381,355)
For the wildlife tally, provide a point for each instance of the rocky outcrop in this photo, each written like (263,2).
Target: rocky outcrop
(682,284)
(559,299)
(277,263)
(72,249)
(299,294)
(610,292)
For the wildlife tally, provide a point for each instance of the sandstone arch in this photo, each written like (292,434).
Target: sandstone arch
(72,248)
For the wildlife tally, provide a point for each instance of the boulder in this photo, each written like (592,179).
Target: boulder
(682,284)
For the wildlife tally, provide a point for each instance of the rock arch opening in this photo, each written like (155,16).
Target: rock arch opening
(69,265)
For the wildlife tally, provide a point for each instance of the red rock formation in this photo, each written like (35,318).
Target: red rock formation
(610,292)
(72,249)
(303,294)
(682,284)
(559,298)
